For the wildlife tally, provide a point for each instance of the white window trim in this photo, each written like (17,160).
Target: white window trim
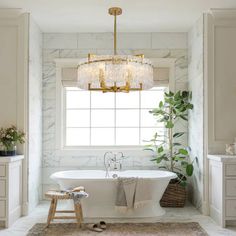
(66,151)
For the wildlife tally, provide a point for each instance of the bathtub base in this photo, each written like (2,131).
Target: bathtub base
(148,211)
(110,212)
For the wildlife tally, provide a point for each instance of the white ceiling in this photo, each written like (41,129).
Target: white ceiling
(138,15)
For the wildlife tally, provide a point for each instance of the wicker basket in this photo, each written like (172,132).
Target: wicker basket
(175,195)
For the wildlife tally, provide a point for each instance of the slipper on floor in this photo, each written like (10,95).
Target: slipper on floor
(94,227)
(102,225)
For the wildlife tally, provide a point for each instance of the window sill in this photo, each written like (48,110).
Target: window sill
(100,150)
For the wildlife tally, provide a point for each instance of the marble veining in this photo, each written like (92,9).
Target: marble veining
(196,116)
(77,46)
(35,115)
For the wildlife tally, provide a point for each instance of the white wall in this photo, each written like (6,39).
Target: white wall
(13,79)
(152,45)
(220,74)
(196,128)
(212,72)
(35,114)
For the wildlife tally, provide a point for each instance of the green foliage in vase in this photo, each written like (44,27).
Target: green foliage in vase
(167,150)
(10,136)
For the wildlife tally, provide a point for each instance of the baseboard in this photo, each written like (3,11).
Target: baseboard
(205,208)
(215,214)
(25,209)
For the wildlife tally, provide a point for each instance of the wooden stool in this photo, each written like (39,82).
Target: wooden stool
(55,195)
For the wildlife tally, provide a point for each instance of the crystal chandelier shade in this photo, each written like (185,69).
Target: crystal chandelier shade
(115,73)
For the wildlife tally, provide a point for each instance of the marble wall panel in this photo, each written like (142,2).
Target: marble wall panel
(78,45)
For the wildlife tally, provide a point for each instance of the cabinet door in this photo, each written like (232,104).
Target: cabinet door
(2,171)
(230,170)
(230,208)
(2,188)
(2,208)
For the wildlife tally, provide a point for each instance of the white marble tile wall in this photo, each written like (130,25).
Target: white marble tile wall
(155,45)
(35,115)
(195,71)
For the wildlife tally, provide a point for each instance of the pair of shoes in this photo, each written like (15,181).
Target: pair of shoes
(98,227)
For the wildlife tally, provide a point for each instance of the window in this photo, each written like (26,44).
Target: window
(109,119)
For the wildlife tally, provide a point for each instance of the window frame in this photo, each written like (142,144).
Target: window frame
(61,149)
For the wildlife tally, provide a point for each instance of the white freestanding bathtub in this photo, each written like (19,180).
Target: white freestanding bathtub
(102,191)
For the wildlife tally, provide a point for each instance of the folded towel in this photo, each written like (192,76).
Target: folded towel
(132,193)
(143,194)
(77,196)
(125,194)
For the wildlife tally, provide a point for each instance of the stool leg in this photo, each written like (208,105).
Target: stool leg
(50,213)
(77,214)
(54,209)
(81,212)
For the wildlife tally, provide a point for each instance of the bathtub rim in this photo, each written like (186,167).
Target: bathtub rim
(55,176)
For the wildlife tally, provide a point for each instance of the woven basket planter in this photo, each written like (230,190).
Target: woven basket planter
(175,195)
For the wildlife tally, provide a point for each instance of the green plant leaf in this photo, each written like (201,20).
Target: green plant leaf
(185,94)
(183,183)
(183,117)
(169,124)
(189,169)
(148,149)
(162,167)
(177,135)
(161,104)
(183,151)
(158,160)
(177,96)
(160,149)
(180,158)
(176,144)
(155,135)
(190,106)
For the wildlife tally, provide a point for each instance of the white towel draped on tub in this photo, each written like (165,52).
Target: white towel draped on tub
(132,193)
(142,193)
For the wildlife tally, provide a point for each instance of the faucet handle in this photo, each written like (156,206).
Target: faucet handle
(120,155)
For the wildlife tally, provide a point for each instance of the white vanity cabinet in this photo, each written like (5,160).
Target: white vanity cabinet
(10,189)
(222,188)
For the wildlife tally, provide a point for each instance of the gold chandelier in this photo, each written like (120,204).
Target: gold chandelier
(115,73)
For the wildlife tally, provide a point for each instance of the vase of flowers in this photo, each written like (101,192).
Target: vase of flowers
(9,137)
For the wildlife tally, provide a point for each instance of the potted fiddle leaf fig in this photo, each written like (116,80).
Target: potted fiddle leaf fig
(168,152)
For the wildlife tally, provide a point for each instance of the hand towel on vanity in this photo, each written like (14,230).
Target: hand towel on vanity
(143,194)
(125,194)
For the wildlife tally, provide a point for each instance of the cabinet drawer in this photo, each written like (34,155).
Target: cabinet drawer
(230,170)
(2,188)
(230,187)
(230,210)
(2,208)
(2,170)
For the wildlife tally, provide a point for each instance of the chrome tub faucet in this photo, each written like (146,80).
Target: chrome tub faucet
(113,159)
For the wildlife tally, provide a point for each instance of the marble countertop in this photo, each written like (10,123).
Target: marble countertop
(222,157)
(7,159)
